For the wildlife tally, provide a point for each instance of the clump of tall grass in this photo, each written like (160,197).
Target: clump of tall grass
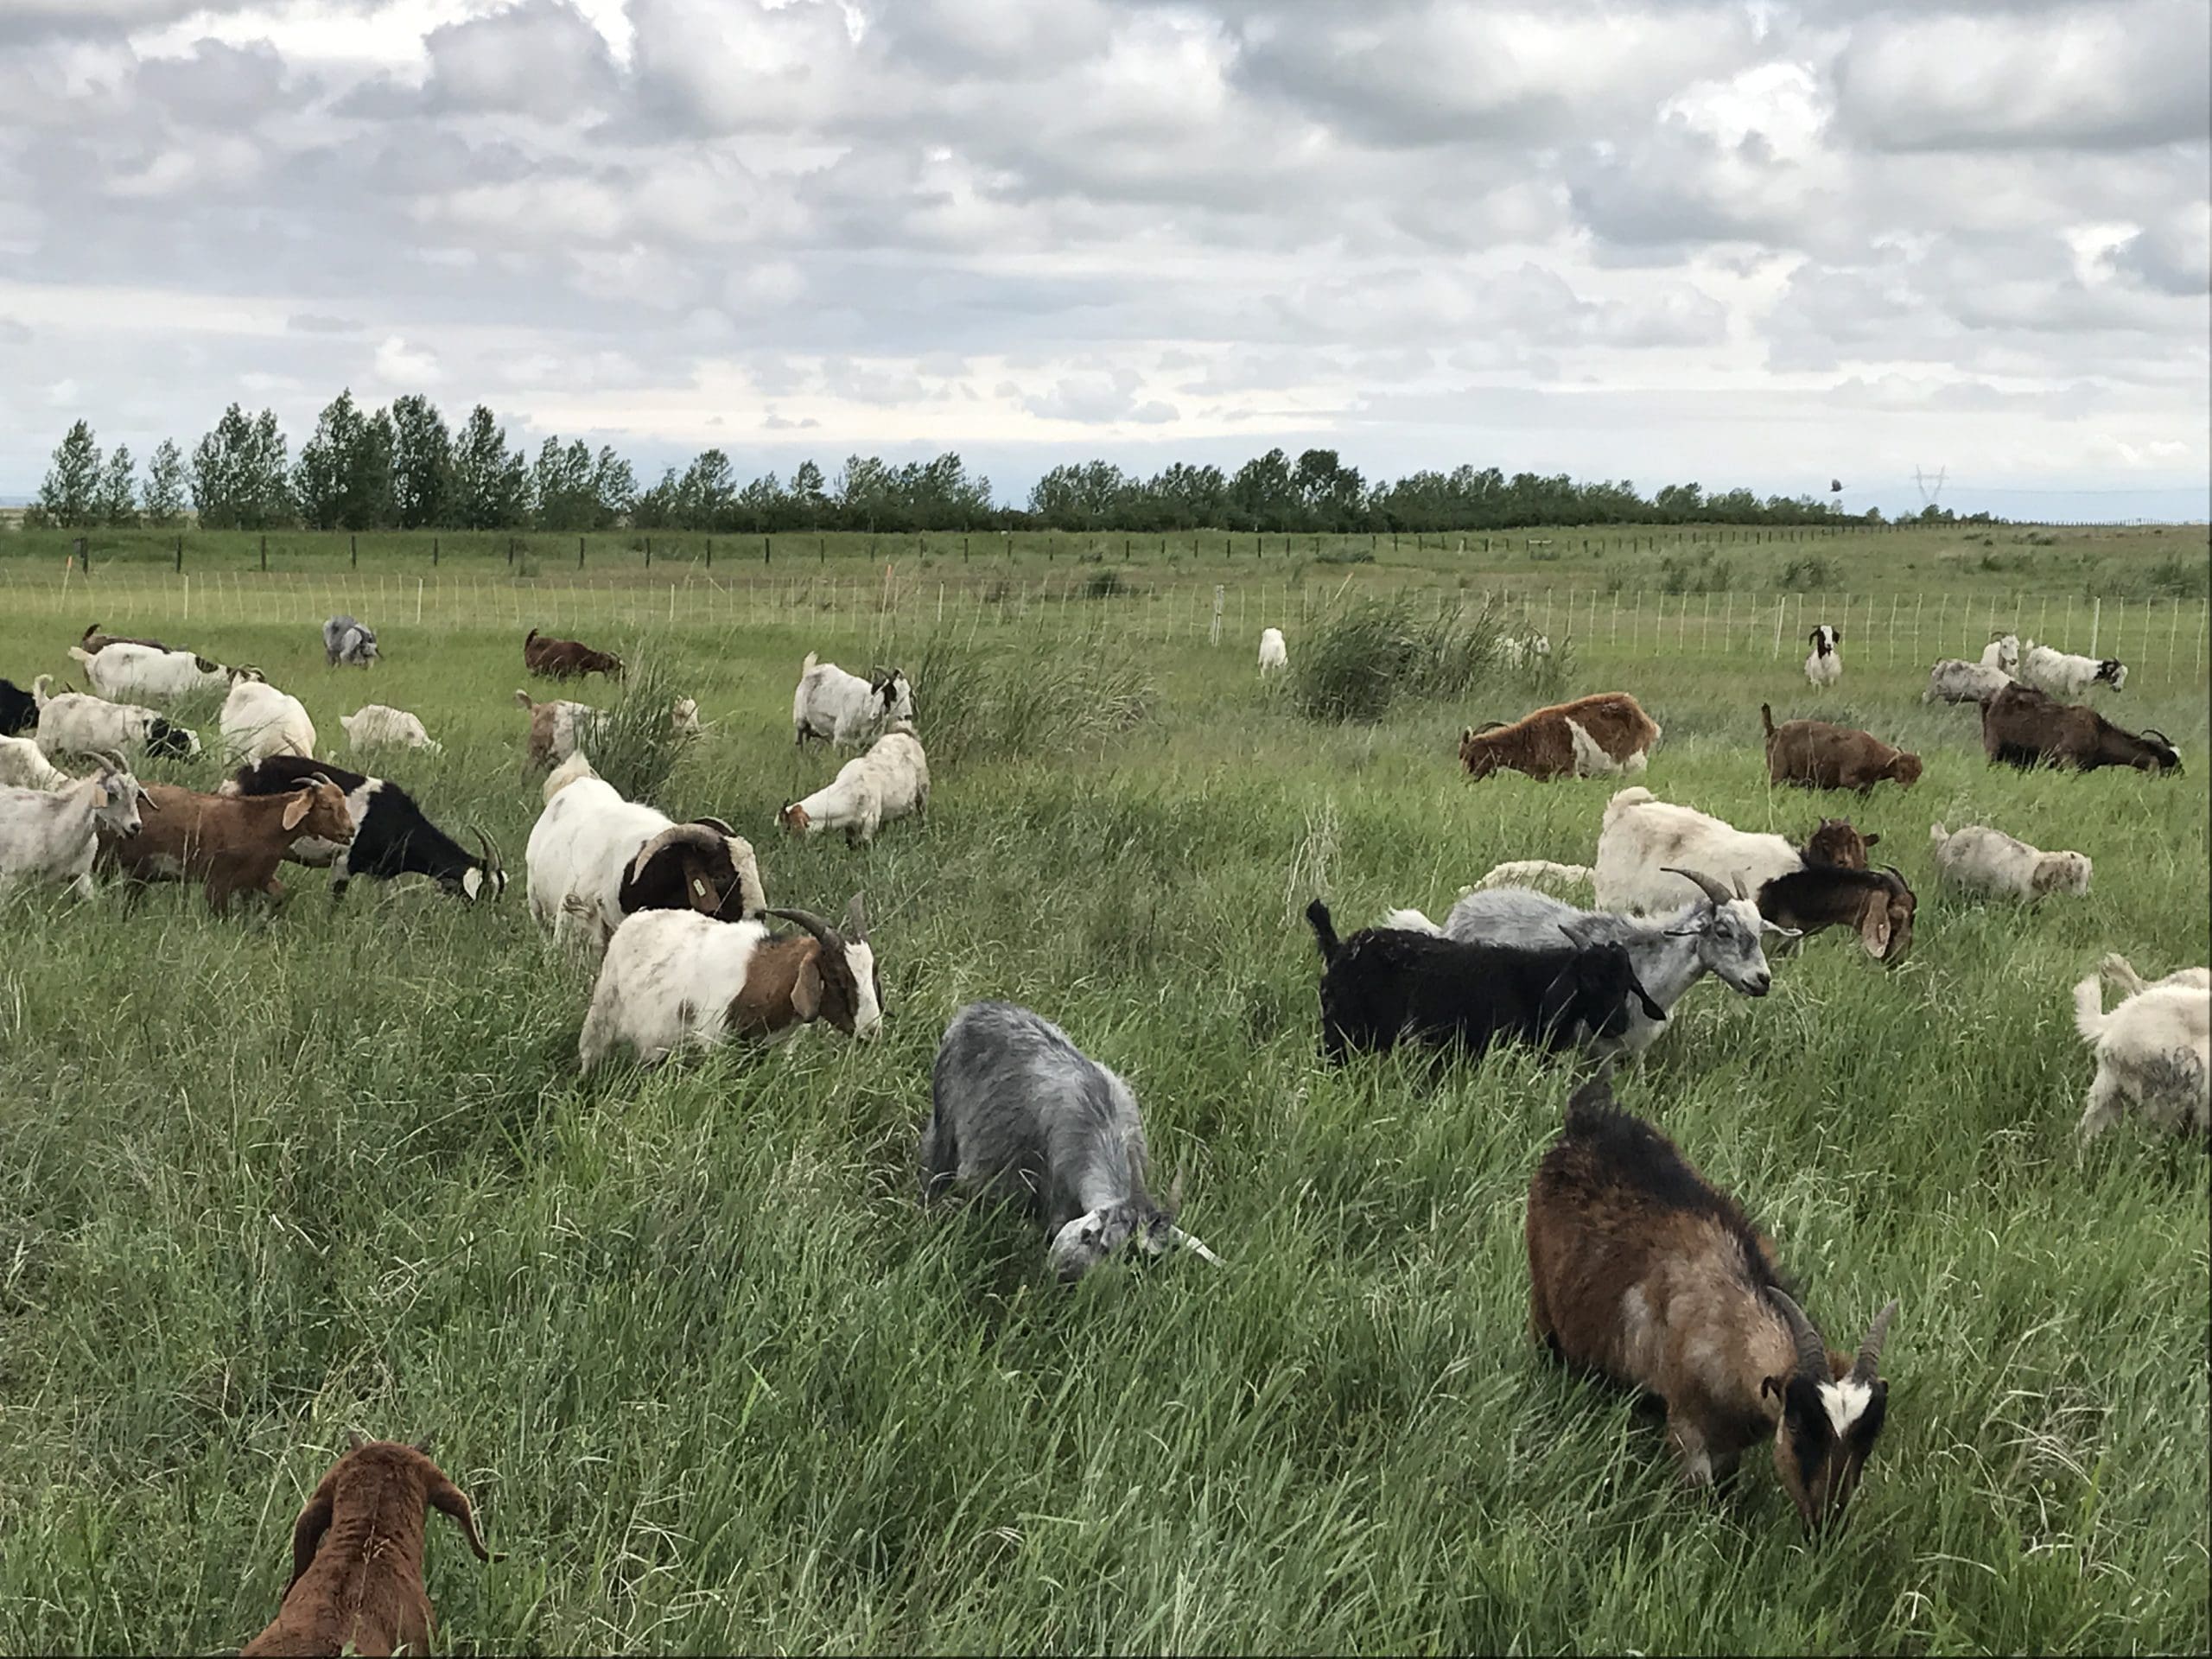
(633,743)
(1031,698)
(1358,662)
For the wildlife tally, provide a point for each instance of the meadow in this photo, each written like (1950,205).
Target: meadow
(717,1383)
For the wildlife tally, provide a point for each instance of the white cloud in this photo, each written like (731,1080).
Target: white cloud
(406,367)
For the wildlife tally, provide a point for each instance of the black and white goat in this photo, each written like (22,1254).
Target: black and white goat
(1016,1106)
(844,708)
(345,640)
(392,836)
(1384,983)
(1824,663)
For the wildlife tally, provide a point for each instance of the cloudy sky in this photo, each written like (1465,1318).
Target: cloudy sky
(1765,243)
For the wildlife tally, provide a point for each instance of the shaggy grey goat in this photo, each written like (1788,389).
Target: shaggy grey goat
(1017,1107)
(345,640)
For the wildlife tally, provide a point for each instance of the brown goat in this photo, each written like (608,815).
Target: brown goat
(2023,726)
(1836,842)
(562,659)
(1877,904)
(233,841)
(1817,755)
(356,1556)
(1641,1270)
(1591,737)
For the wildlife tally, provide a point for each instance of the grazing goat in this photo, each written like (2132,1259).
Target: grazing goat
(1824,665)
(2022,726)
(1640,1269)
(23,765)
(1384,983)
(345,640)
(70,723)
(356,1556)
(18,710)
(2064,675)
(562,659)
(1876,902)
(1954,681)
(52,834)
(2154,1051)
(124,671)
(1275,656)
(2002,654)
(259,721)
(1017,1109)
(392,836)
(1524,652)
(1591,737)
(844,708)
(559,729)
(674,979)
(1818,755)
(1983,860)
(1717,934)
(231,842)
(594,858)
(1835,841)
(96,642)
(1645,841)
(379,726)
(891,780)
(2117,969)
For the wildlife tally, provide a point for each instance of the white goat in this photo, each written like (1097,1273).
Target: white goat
(1983,860)
(2153,1051)
(70,723)
(378,725)
(1955,681)
(595,858)
(2003,651)
(23,765)
(1275,656)
(2064,675)
(123,670)
(2117,969)
(51,835)
(1524,651)
(1824,664)
(844,708)
(891,780)
(259,721)
(1643,834)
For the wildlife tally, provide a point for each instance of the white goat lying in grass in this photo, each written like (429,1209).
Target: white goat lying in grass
(1983,860)
(2154,1050)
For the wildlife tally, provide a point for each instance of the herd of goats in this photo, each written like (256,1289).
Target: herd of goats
(1640,1269)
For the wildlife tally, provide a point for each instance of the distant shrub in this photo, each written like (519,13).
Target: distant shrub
(632,744)
(1813,575)
(1344,556)
(1105,584)
(1704,571)
(1036,698)
(1355,664)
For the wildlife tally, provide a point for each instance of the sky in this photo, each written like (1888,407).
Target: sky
(1754,243)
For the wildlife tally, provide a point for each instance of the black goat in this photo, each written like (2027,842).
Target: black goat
(1877,903)
(18,710)
(1385,982)
(392,837)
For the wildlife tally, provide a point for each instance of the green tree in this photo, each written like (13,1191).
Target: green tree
(268,475)
(561,491)
(118,502)
(343,480)
(1261,495)
(491,483)
(810,496)
(162,500)
(422,464)
(707,497)
(613,488)
(69,496)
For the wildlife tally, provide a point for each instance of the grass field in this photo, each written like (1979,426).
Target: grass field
(715,1383)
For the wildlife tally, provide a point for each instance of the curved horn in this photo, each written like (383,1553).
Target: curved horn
(1812,1352)
(2153,731)
(1868,1364)
(1177,1236)
(1704,883)
(807,919)
(491,854)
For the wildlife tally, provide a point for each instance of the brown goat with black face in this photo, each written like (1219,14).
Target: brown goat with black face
(2022,726)
(232,842)
(1641,1270)
(1876,904)
(1818,755)
(562,659)
(1837,841)
(356,1556)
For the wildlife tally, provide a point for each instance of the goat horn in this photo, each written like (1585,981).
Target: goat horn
(1177,1236)
(491,853)
(1812,1352)
(353,1440)
(1868,1364)
(2153,731)
(1704,883)
(423,1445)
(807,919)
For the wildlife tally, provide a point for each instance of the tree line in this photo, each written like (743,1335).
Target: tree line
(404,467)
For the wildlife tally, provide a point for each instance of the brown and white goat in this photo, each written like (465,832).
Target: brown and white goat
(234,842)
(1640,1269)
(562,659)
(357,1555)
(1818,755)
(1591,737)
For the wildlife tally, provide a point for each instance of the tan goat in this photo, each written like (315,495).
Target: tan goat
(1819,756)
(232,842)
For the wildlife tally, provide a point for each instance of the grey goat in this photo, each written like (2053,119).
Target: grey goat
(345,640)
(1017,1107)
(1717,934)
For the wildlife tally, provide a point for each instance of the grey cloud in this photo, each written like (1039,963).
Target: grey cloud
(310,323)
(216,85)
(541,58)
(774,423)
(2174,256)
(1098,399)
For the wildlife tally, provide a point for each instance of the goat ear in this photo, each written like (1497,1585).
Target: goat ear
(806,989)
(1874,925)
(446,1497)
(308,1531)
(297,807)
(1871,840)
(1772,1387)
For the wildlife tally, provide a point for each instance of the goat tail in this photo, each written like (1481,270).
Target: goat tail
(2088,1009)
(40,695)
(1938,836)
(1766,719)
(1325,930)
(808,666)
(2119,969)
(1634,795)
(522,697)
(1522,871)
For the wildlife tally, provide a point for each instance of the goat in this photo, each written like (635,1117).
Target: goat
(558,728)
(1983,860)
(594,858)
(1591,737)
(1642,1270)
(345,640)
(233,843)
(392,836)
(562,659)
(1717,934)
(1384,983)
(889,781)
(2154,1051)
(2117,969)
(123,670)
(673,979)
(96,642)
(1017,1108)
(1644,841)
(18,710)
(844,708)
(357,1555)
(259,721)
(1954,681)
(23,765)
(1275,656)
(1818,755)
(1834,842)
(52,834)
(70,723)
(2002,654)
(377,725)
(1525,651)
(2022,726)
(2064,675)
(1877,903)
(1824,665)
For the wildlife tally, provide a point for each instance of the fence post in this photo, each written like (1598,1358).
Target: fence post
(1781,609)
(580,554)
(265,552)
(2097,617)
(434,552)
(180,552)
